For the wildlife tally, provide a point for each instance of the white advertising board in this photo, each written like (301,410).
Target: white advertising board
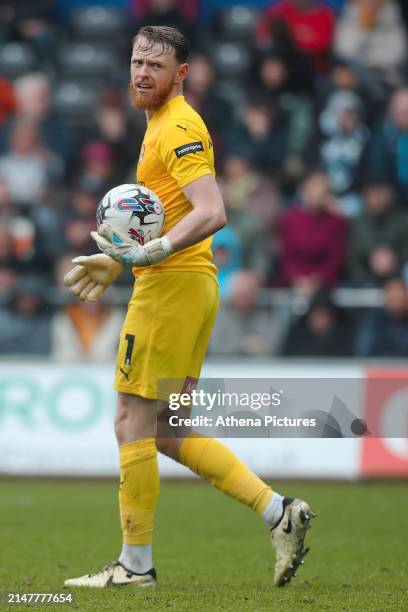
(58,420)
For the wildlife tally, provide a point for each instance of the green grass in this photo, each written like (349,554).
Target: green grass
(210,552)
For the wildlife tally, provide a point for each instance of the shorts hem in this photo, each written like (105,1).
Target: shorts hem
(145,392)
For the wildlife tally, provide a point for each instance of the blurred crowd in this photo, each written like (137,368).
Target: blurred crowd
(307,105)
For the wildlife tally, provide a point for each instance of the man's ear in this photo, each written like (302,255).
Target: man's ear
(182,74)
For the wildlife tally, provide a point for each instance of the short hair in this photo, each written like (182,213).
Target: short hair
(168,37)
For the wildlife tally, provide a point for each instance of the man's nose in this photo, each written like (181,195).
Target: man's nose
(143,70)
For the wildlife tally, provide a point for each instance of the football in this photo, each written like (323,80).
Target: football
(133,210)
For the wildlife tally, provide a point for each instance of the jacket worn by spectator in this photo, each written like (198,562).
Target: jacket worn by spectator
(371,232)
(324,331)
(85,332)
(384,332)
(312,27)
(374,36)
(312,245)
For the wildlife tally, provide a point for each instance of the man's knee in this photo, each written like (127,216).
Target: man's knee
(135,418)
(169,447)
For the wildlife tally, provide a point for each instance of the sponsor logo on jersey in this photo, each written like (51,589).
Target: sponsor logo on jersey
(191,147)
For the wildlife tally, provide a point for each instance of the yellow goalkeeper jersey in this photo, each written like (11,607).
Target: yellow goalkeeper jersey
(176,150)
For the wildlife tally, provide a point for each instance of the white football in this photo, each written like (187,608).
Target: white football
(133,210)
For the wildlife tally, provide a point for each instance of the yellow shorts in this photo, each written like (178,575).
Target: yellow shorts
(166,331)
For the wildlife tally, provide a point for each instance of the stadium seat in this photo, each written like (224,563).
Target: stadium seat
(231,60)
(97,22)
(82,59)
(236,23)
(16,59)
(74,101)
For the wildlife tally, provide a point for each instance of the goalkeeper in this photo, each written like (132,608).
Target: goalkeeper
(169,320)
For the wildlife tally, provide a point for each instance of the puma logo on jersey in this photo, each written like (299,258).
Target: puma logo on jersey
(191,147)
(181,127)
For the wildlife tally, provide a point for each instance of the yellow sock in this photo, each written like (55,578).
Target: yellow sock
(138,491)
(217,463)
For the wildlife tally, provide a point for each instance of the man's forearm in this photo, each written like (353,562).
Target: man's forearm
(194,227)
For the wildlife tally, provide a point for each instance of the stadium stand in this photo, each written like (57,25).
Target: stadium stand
(279,109)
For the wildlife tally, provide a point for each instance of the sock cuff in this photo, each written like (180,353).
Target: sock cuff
(262,500)
(137,451)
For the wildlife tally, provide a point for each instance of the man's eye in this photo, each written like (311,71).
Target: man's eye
(156,66)
(137,62)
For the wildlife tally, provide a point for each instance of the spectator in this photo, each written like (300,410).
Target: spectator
(29,168)
(25,322)
(83,331)
(26,248)
(48,217)
(79,219)
(384,332)
(97,167)
(21,231)
(168,13)
(312,238)
(34,23)
(243,325)
(248,225)
(371,32)
(261,136)
(378,238)
(276,85)
(346,77)
(345,137)
(312,25)
(324,331)
(386,158)
(33,101)
(86,331)
(199,92)
(227,251)
(113,130)
(247,189)
(8,103)
(9,264)
(298,66)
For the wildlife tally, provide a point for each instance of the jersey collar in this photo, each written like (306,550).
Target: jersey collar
(172,103)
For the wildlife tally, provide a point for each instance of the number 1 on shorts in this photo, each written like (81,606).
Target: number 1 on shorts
(130,345)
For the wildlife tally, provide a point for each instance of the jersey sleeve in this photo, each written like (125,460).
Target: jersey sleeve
(185,150)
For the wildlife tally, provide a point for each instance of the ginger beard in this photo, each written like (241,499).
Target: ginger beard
(151,99)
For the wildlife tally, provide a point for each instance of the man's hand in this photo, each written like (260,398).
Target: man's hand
(92,276)
(120,248)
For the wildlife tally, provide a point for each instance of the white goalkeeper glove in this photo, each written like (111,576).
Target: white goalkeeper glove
(119,247)
(92,276)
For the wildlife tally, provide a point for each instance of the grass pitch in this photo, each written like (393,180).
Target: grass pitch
(210,552)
